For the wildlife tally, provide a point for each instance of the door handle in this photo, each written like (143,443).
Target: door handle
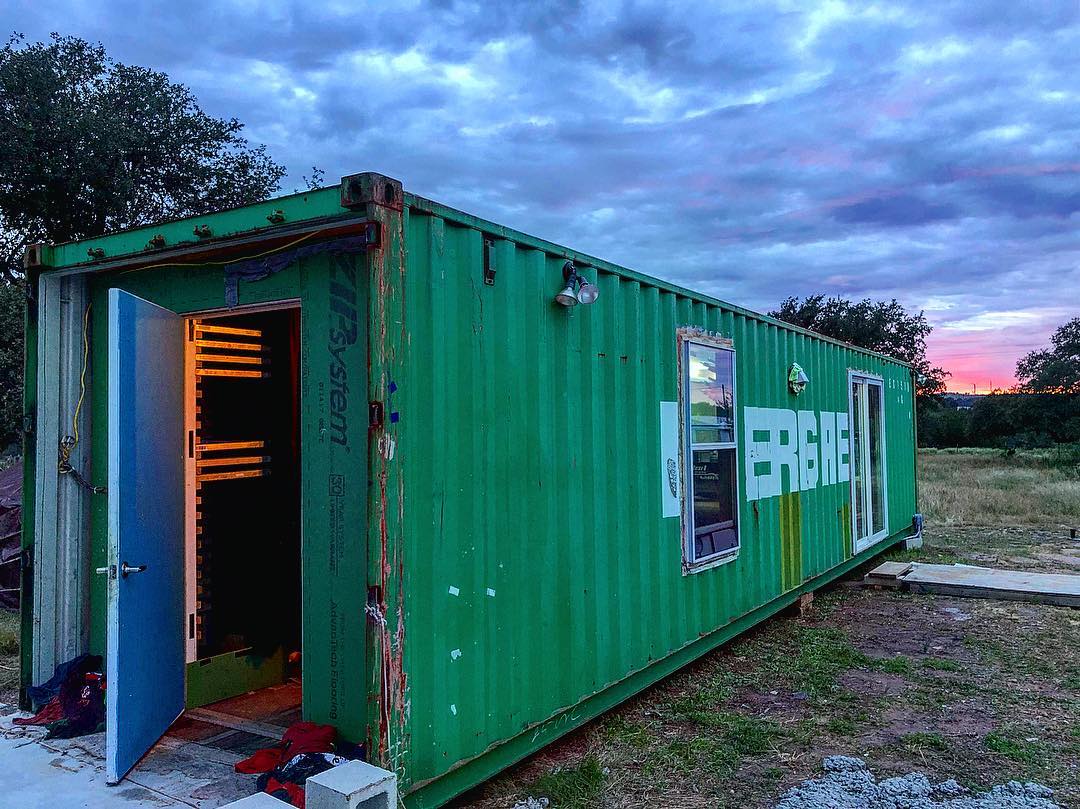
(125,569)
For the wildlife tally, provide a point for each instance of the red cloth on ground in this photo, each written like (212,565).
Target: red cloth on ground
(302,737)
(293,792)
(261,761)
(51,712)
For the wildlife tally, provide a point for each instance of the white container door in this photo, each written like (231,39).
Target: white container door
(868,481)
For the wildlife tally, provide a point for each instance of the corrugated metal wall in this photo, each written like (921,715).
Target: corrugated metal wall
(537,568)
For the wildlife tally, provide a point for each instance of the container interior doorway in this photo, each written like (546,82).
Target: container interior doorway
(242,471)
(868,477)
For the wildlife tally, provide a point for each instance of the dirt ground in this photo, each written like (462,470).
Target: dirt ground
(977,690)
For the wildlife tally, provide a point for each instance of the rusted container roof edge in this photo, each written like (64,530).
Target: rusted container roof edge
(326,203)
(270,214)
(417,203)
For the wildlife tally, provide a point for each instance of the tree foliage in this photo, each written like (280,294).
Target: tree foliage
(1056,369)
(89,145)
(882,326)
(11,357)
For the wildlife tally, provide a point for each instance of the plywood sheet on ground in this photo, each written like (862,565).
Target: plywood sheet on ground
(983,582)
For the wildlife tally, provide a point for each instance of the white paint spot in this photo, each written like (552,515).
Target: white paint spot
(454,655)
(454,591)
(453,709)
(491,592)
(387,446)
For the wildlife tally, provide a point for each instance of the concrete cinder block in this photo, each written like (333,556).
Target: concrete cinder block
(912,543)
(355,785)
(260,800)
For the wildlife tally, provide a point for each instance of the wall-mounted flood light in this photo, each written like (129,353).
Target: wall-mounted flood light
(578,289)
(797,379)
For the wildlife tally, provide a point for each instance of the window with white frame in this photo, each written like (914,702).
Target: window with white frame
(711,519)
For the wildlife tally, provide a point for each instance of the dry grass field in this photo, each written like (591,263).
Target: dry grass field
(977,690)
(986,487)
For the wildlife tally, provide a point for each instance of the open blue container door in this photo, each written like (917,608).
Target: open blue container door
(145,651)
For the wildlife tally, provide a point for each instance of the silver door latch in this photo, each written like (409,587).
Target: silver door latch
(125,569)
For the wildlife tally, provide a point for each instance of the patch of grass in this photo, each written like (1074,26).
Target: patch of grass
(895,665)
(1021,750)
(941,664)
(744,735)
(706,694)
(821,654)
(927,553)
(921,742)
(9,633)
(748,735)
(571,787)
(687,756)
(988,649)
(9,653)
(841,726)
(622,731)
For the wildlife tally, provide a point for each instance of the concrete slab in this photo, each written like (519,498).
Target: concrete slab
(1061,589)
(48,774)
(259,800)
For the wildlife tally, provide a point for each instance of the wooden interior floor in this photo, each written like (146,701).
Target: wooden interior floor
(243,724)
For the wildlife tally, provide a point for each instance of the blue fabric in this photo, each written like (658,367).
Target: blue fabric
(257,269)
(40,694)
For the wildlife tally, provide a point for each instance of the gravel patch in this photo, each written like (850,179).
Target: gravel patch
(848,784)
(532,803)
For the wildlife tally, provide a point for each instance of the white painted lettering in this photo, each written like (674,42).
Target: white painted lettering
(843,453)
(808,455)
(828,448)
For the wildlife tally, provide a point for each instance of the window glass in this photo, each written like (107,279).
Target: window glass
(712,395)
(858,471)
(712,501)
(877,471)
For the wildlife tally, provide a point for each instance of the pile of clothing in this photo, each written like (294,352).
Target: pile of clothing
(72,702)
(305,749)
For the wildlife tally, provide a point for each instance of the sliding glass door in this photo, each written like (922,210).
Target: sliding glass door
(867,437)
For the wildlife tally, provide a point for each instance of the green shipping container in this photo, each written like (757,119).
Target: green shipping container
(383,458)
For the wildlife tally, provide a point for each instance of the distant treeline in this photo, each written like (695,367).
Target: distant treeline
(1005,420)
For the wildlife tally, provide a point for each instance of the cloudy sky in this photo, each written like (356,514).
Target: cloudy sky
(926,151)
